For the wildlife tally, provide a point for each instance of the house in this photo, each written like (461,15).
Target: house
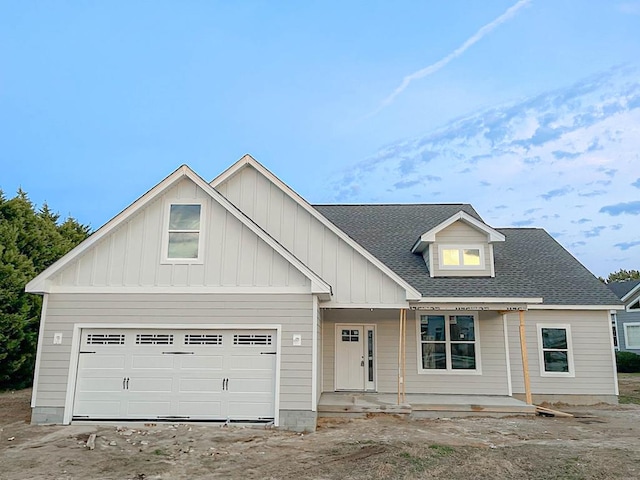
(627,321)
(237,300)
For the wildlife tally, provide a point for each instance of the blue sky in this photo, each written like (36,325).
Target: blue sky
(527,112)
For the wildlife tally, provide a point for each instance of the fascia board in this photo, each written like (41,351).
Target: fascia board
(39,283)
(430,236)
(576,307)
(630,293)
(488,300)
(411,292)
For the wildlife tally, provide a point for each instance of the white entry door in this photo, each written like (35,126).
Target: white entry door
(176,374)
(355,361)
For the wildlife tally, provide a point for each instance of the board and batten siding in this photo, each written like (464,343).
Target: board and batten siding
(292,311)
(459,233)
(353,278)
(490,341)
(592,357)
(132,254)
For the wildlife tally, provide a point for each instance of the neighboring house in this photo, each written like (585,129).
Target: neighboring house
(237,300)
(627,321)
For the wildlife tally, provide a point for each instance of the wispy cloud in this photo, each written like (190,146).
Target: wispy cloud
(636,183)
(582,221)
(627,245)
(558,192)
(434,67)
(594,232)
(522,223)
(593,193)
(632,208)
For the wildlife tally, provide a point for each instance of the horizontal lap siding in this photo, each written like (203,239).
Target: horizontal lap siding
(492,381)
(353,278)
(623,318)
(293,312)
(590,332)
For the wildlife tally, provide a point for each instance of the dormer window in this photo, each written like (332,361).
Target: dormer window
(461,257)
(183,233)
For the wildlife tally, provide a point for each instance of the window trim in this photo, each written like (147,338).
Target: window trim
(626,337)
(165,232)
(449,371)
(460,248)
(567,327)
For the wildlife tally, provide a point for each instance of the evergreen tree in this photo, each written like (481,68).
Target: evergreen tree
(30,241)
(622,275)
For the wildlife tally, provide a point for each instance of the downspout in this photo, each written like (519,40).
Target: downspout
(525,360)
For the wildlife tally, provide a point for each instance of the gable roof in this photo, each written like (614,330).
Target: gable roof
(247,160)
(529,264)
(462,216)
(39,283)
(625,290)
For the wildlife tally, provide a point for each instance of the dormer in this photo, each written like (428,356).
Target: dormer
(461,246)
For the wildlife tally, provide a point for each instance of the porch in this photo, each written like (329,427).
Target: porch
(418,405)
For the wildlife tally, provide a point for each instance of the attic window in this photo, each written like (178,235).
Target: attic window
(184,232)
(461,257)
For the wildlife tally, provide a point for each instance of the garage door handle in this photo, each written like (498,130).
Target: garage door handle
(225,384)
(177,353)
(267,353)
(127,383)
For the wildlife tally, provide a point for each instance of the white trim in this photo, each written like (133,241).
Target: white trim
(164,255)
(75,351)
(430,236)
(36,374)
(449,371)
(432,271)
(487,300)
(40,284)
(195,289)
(411,292)
(575,307)
(368,306)
(613,351)
(626,337)
(314,354)
(558,326)
(630,293)
(460,248)
(633,305)
(492,262)
(505,328)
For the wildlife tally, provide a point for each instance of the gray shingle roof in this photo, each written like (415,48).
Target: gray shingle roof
(530,263)
(622,288)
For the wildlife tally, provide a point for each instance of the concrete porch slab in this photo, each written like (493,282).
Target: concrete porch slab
(420,405)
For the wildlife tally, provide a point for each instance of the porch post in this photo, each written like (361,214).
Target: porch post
(402,356)
(525,360)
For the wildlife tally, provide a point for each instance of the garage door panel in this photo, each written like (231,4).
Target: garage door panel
(199,374)
(98,409)
(148,409)
(152,362)
(202,362)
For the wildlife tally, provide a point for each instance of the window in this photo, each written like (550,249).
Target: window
(184,232)
(448,343)
(461,257)
(632,335)
(556,358)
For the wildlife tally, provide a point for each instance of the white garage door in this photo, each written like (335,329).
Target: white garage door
(176,375)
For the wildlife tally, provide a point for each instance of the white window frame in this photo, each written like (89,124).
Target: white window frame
(460,248)
(557,326)
(449,370)
(165,232)
(626,336)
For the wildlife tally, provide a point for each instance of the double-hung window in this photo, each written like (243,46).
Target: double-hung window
(184,232)
(556,356)
(632,335)
(448,343)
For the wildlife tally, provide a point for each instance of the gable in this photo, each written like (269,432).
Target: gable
(127,253)
(357,278)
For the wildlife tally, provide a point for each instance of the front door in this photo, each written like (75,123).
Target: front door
(355,357)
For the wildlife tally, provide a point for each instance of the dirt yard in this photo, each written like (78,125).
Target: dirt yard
(600,442)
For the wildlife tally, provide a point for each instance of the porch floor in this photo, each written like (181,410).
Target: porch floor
(336,404)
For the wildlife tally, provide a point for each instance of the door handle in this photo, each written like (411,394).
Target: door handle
(127,383)
(124,382)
